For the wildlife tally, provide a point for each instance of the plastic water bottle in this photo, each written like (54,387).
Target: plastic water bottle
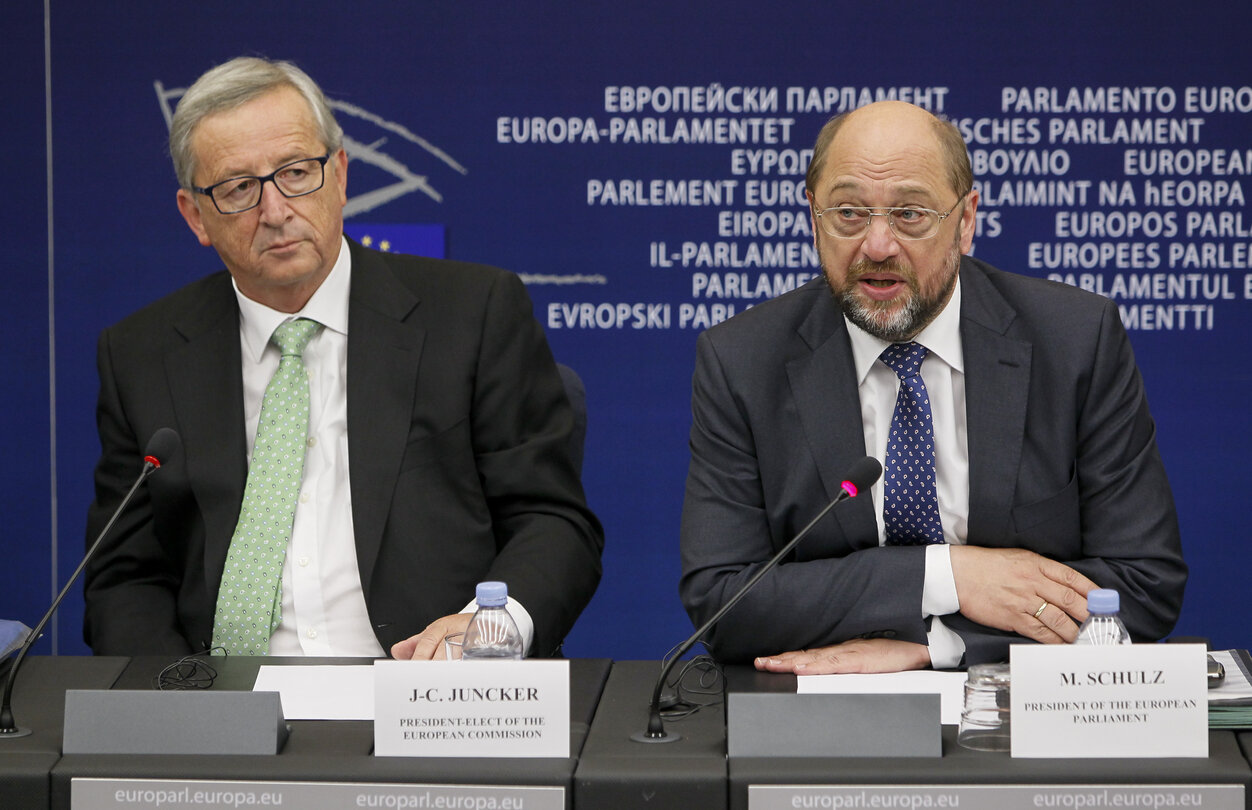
(1103,626)
(492,634)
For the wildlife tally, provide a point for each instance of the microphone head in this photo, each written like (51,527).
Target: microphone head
(164,445)
(863,474)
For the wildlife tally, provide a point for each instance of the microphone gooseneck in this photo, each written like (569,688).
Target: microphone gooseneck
(862,476)
(161,448)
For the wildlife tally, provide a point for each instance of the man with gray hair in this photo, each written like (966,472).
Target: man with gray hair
(365,435)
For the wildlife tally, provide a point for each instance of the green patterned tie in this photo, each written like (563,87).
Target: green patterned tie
(249,600)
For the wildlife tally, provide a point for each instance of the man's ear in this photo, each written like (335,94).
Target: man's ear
(190,210)
(813,217)
(969,218)
(340,160)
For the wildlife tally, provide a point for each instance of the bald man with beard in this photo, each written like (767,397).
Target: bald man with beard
(1045,469)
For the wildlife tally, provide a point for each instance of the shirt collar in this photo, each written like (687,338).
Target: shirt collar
(942,337)
(328,306)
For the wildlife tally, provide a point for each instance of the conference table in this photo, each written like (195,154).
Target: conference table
(606,768)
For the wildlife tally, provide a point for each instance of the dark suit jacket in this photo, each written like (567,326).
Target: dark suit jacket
(459,464)
(1062,461)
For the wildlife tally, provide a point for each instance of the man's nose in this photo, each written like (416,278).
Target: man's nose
(274,206)
(880,242)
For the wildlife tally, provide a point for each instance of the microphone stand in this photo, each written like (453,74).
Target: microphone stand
(655,732)
(9,730)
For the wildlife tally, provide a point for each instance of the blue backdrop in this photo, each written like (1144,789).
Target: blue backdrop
(638,164)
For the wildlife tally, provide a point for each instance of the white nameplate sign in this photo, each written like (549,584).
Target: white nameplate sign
(1139,700)
(471,708)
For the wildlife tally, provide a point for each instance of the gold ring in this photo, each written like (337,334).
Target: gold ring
(1041,609)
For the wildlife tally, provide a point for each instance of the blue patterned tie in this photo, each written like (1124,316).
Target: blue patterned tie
(910,506)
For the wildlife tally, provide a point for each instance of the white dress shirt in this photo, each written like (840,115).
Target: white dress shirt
(323,604)
(943,371)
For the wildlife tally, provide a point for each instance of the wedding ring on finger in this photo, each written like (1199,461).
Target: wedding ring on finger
(1041,609)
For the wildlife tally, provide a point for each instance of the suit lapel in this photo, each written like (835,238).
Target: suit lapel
(206,384)
(997,388)
(823,382)
(384,346)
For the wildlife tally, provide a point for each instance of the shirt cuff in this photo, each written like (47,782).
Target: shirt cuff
(946,647)
(939,599)
(939,586)
(525,624)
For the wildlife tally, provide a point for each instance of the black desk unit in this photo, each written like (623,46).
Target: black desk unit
(330,751)
(617,772)
(961,771)
(606,769)
(39,705)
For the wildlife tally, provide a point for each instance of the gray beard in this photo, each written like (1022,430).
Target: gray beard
(907,321)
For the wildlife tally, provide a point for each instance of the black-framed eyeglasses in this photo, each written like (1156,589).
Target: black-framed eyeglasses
(294,179)
(853,221)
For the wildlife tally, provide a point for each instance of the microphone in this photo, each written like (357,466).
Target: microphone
(862,476)
(162,447)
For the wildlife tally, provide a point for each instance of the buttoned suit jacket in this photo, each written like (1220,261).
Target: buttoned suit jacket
(457,440)
(1062,461)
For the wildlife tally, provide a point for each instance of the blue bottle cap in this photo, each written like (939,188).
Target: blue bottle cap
(1103,601)
(496,594)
